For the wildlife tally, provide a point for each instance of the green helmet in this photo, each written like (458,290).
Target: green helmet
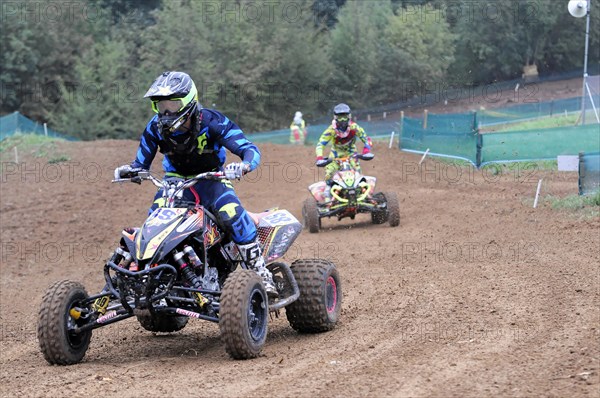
(174,98)
(173,95)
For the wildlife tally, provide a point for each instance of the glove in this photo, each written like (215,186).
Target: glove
(236,170)
(320,161)
(366,154)
(126,171)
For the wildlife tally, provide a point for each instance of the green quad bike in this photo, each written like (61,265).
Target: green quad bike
(348,194)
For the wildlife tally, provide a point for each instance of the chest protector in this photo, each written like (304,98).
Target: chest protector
(197,157)
(347,140)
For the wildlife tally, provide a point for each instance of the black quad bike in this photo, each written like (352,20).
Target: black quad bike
(181,264)
(348,194)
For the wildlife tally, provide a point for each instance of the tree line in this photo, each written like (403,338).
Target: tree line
(85,66)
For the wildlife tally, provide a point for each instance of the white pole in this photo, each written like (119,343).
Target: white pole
(423,158)
(45,129)
(537,193)
(384,115)
(16,156)
(585,61)
(391,140)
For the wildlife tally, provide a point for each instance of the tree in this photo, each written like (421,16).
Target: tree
(99,104)
(245,65)
(354,50)
(39,49)
(325,12)
(416,48)
(297,73)
(496,41)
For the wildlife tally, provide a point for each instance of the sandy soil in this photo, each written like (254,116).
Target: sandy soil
(474,294)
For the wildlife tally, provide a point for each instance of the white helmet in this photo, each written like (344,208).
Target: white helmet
(298,118)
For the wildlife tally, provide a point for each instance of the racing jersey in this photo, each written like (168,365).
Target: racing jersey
(216,133)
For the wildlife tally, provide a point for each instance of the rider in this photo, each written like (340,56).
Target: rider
(298,130)
(192,140)
(342,135)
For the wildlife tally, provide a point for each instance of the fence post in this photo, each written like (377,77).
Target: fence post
(581,173)
(385,115)
(425,114)
(45,129)
(369,117)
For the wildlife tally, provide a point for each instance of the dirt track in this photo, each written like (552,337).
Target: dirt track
(475,294)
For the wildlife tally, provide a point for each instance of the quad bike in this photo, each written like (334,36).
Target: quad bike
(181,264)
(347,194)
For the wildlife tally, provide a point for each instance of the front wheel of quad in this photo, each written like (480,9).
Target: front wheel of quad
(393,208)
(319,305)
(162,323)
(58,316)
(244,314)
(310,212)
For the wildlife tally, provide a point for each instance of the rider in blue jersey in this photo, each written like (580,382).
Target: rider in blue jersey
(193,140)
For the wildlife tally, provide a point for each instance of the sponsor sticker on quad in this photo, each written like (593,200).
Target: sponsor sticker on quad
(280,217)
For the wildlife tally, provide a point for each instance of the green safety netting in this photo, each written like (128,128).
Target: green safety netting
(15,123)
(452,135)
(589,173)
(539,144)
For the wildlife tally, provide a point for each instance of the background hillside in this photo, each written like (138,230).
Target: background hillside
(84,67)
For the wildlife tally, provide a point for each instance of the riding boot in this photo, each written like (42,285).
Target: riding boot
(252,256)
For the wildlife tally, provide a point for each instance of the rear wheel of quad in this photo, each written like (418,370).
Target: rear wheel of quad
(393,208)
(379,216)
(162,323)
(311,215)
(320,302)
(244,314)
(57,318)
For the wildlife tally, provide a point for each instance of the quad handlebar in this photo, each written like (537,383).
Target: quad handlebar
(172,187)
(325,162)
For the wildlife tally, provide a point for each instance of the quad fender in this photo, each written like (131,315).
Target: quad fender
(371,181)
(277,231)
(318,190)
(128,238)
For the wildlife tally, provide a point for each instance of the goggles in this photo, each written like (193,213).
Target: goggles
(168,107)
(342,118)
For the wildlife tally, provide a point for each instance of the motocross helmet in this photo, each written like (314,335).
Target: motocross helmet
(175,99)
(341,120)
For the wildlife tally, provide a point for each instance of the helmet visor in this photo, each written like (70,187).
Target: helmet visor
(342,122)
(168,107)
